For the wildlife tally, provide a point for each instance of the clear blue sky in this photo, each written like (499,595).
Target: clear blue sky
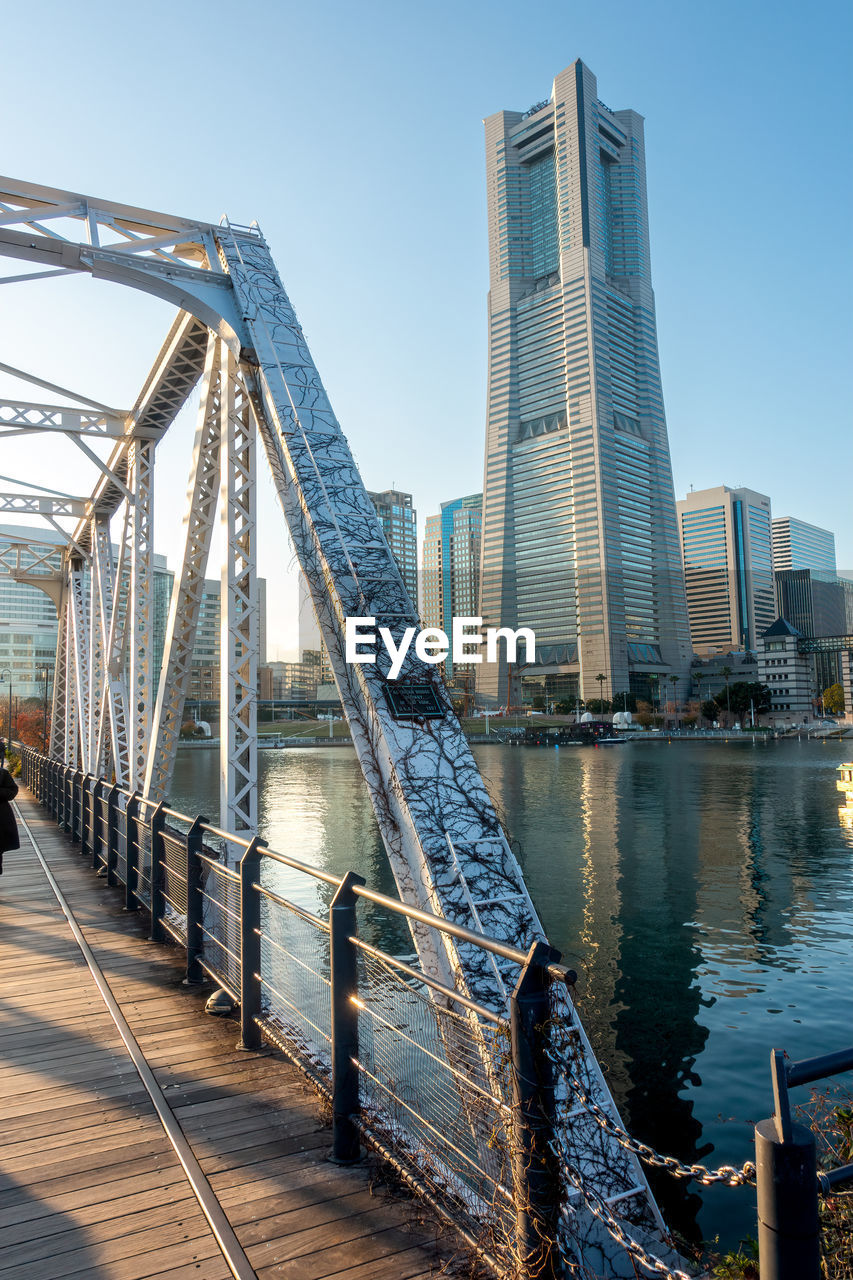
(353,133)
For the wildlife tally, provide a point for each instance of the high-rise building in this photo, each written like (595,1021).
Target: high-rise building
(205,664)
(797,545)
(28,617)
(725,542)
(450,568)
(579,533)
(399,523)
(28,621)
(816,604)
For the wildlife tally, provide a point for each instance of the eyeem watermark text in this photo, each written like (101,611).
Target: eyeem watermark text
(433,645)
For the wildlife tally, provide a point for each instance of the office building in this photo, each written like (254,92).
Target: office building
(400,525)
(797,545)
(290,681)
(787,673)
(816,603)
(205,665)
(579,533)
(450,573)
(28,620)
(726,546)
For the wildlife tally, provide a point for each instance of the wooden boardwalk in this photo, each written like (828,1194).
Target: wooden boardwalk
(90,1186)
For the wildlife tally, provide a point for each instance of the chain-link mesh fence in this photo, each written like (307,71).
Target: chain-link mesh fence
(221,923)
(295,980)
(435,1086)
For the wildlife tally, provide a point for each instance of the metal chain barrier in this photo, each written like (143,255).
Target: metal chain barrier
(649,1261)
(727,1175)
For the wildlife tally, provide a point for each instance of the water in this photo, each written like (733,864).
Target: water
(703,891)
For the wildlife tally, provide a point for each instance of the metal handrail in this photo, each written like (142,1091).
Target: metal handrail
(246,976)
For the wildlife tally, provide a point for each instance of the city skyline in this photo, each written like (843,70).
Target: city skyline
(732,284)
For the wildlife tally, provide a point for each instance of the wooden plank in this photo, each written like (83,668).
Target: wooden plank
(98,1190)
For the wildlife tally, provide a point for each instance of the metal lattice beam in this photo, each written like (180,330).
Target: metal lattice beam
(238,655)
(188,587)
(140,606)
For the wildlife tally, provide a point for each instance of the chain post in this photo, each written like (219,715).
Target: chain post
(787,1189)
(158,855)
(131,853)
(195,904)
(536,1183)
(250,947)
(343,926)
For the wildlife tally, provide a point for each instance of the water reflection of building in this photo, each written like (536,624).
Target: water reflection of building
(610,858)
(657,1025)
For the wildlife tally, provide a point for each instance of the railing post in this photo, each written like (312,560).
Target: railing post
(786,1188)
(96,831)
(85,814)
(131,854)
(346,1148)
(536,1183)
(77,806)
(65,817)
(250,947)
(112,834)
(158,853)
(195,904)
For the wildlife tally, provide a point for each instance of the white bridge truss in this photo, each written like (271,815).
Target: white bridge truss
(236,334)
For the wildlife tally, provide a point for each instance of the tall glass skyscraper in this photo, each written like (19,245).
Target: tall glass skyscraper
(798,545)
(726,542)
(579,532)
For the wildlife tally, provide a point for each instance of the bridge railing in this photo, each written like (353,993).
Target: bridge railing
(409,1066)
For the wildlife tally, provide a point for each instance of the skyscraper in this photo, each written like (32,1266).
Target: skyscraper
(725,537)
(400,525)
(798,545)
(579,533)
(450,572)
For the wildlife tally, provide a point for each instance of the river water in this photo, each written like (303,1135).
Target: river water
(703,890)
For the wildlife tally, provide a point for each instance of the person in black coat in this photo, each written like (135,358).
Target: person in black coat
(8,825)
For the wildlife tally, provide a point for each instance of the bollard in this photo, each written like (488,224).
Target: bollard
(536,1182)
(786,1185)
(250,947)
(346,1148)
(195,904)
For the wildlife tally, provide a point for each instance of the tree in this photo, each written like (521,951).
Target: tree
(673,680)
(726,672)
(624,702)
(744,694)
(598,706)
(600,678)
(709,710)
(833,700)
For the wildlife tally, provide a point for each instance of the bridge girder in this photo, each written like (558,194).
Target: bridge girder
(446,846)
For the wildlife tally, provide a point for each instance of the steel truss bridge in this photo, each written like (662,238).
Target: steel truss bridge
(236,336)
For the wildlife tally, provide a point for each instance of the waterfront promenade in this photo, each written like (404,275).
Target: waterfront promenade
(91,1186)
